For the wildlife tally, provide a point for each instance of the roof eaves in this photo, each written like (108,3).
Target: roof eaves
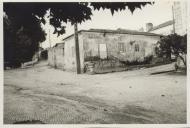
(123,32)
(115,31)
(72,35)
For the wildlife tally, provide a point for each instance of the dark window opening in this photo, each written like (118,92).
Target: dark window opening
(137,47)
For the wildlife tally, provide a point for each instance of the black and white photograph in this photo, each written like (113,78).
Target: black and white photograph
(95,62)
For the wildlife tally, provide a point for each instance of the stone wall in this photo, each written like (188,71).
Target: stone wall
(122,46)
(115,49)
(70,55)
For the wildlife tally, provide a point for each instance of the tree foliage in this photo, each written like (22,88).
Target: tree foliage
(172,45)
(79,12)
(22,30)
(20,44)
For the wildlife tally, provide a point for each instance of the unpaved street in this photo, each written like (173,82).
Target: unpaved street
(54,96)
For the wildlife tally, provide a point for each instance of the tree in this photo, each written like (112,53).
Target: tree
(78,12)
(21,44)
(172,45)
(25,19)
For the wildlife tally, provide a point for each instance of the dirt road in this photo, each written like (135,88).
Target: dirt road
(51,96)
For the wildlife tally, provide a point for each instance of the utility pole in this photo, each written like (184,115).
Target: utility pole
(49,38)
(49,26)
(173,19)
(77,51)
(173,27)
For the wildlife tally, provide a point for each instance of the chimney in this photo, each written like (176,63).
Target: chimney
(141,29)
(149,26)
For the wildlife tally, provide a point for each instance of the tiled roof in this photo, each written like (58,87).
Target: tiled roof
(167,23)
(59,44)
(118,31)
(122,31)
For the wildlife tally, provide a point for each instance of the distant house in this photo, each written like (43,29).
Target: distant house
(56,56)
(165,28)
(41,54)
(115,46)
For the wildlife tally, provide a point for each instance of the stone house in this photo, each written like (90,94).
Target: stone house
(107,48)
(56,56)
(180,11)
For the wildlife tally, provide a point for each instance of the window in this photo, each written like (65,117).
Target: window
(132,42)
(130,48)
(136,47)
(131,45)
(121,47)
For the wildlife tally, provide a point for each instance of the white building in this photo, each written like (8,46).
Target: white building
(180,17)
(179,25)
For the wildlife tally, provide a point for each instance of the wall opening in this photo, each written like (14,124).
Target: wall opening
(136,47)
(103,51)
(121,47)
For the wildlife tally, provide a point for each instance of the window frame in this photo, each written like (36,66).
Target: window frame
(137,48)
(121,47)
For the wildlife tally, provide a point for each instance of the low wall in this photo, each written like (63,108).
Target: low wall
(103,66)
(107,66)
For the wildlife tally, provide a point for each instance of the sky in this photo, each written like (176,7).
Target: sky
(159,12)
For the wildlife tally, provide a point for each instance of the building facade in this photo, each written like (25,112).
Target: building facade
(98,44)
(180,17)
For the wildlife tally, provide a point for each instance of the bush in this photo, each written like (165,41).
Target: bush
(92,58)
(96,58)
(173,44)
(147,60)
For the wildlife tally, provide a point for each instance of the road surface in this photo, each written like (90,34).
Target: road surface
(52,96)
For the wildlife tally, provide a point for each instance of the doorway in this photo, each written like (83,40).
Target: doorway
(103,51)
